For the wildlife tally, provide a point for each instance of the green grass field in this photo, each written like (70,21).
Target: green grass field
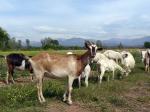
(130,94)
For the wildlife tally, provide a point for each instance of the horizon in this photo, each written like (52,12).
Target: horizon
(99,19)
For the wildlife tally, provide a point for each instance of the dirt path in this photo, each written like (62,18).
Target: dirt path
(138,98)
(20,80)
(58,106)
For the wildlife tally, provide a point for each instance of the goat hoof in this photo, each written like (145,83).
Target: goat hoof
(69,102)
(64,99)
(42,101)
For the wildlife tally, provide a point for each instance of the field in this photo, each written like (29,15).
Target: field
(128,94)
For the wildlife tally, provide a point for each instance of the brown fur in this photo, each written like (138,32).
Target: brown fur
(49,61)
(56,65)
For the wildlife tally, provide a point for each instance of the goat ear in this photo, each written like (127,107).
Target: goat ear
(87,44)
(100,49)
(125,55)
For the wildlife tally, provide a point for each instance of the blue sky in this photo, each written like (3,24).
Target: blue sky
(98,19)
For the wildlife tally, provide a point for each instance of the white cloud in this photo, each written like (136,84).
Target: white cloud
(66,18)
(48,29)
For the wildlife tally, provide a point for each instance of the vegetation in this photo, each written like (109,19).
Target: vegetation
(119,94)
(4,37)
(147,44)
(99,43)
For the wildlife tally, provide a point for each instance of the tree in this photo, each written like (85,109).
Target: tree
(120,46)
(12,43)
(99,43)
(19,44)
(4,37)
(49,43)
(147,44)
(28,43)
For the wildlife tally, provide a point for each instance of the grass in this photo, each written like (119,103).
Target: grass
(32,53)
(105,97)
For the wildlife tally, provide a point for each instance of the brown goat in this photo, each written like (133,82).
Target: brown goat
(55,65)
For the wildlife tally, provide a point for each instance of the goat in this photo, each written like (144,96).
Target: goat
(105,64)
(147,60)
(143,55)
(116,56)
(16,61)
(128,61)
(56,65)
(85,73)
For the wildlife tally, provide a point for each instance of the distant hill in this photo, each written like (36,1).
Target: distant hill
(126,42)
(109,42)
(33,43)
(72,42)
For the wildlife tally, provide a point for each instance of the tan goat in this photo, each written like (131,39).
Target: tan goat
(56,65)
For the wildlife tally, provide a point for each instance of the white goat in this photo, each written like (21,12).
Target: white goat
(106,64)
(143,55)
(85,74)
(147,60)
(116,56)
(128,61)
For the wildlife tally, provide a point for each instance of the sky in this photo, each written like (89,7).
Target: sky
(89,19)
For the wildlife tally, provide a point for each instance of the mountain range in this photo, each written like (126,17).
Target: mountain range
(110,42)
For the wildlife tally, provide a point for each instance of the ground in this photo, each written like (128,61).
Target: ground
(129,94)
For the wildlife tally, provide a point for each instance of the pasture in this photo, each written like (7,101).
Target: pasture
(130,93)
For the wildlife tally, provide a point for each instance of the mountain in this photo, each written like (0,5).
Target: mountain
(33,43)
(109,42)
(72,42)
(126,42)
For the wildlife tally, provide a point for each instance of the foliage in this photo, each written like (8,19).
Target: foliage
(147,44)
(120,46)
(28,43)
(49,43)
(4,37)
(99,43)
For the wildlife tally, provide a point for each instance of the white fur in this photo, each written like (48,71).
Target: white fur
(105,64)
(113,55)
(22,66)
(85,74)
(69,52)
(143,55)
(129,61)
(147,60)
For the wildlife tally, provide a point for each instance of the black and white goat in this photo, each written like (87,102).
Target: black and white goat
(16,61)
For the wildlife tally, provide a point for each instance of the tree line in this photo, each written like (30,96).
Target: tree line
(8,43)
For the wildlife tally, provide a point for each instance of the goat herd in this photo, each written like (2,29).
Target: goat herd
(73,66)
